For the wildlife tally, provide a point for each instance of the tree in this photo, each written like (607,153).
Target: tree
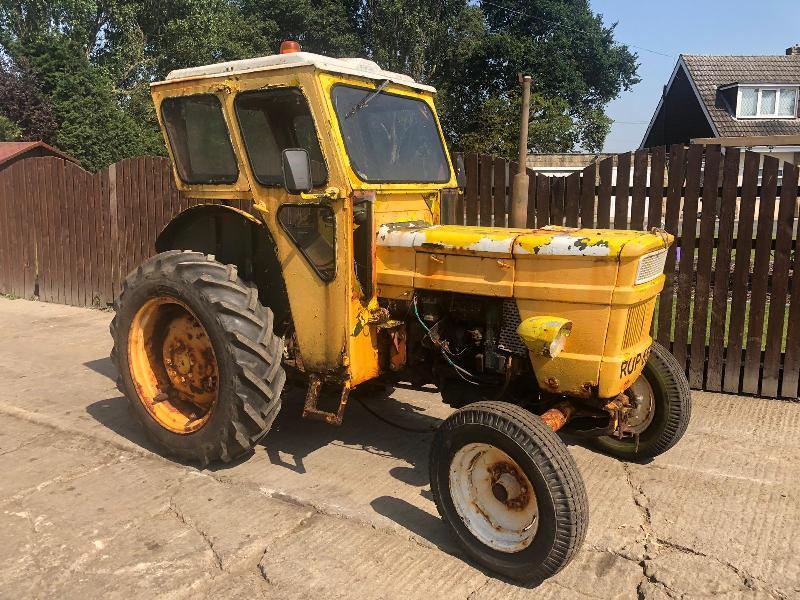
(23,105)
(9,131)
(82,68)
(495,126)
(573,58)
(472,53)
(93,125)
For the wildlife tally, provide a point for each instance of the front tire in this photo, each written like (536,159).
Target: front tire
(197,357)
(671,406)
(509,490)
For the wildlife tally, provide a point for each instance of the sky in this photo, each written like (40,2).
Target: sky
(686,27)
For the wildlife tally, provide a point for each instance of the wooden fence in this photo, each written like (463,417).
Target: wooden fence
(732,264)
(69,236)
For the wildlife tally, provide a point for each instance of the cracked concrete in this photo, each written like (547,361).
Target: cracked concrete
(88,509)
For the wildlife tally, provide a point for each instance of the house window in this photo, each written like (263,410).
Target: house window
(767,102)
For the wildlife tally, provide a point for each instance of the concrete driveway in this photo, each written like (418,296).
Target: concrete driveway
(87,509)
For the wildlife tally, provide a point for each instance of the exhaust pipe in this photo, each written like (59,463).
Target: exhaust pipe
(519,198)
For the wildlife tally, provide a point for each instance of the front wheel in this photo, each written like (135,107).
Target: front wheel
(509,490)
(663,405)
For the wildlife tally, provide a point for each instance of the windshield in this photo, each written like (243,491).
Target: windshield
(390,138)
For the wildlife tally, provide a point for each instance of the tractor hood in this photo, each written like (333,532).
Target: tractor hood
(501,242)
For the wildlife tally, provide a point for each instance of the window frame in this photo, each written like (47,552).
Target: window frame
(759,88)
(172,145)
(296,242)
(388,181)
(279,88)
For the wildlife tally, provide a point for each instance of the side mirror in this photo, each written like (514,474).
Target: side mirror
(296,167)
(461,174)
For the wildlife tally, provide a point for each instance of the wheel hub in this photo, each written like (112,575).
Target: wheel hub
(642,406)
(173,365)
(494,497)
(508,486)
(189,359)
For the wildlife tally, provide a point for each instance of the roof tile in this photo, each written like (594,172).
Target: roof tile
(711,72)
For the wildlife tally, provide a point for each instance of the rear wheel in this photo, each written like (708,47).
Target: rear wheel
(197,357)
(509,489)
(663,408)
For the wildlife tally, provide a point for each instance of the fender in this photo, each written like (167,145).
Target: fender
(233,236)
(191,215)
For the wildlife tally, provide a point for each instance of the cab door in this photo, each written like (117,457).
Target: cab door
(312,232)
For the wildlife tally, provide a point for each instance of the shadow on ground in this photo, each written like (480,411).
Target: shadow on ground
(293,438)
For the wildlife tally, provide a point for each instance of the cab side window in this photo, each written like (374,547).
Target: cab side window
(198,137)
(271,121)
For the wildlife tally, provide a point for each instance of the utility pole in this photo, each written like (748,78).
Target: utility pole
(519,199)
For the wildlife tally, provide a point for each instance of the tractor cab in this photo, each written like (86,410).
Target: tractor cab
(328,150)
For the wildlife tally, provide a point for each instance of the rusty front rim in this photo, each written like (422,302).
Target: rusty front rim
(643,399)
(173,365)
(494,497)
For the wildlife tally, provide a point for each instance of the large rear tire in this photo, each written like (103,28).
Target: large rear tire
(197,357)
(670,403)
(509,490)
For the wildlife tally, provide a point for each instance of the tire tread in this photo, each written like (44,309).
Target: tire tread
(249,340)
(563,479)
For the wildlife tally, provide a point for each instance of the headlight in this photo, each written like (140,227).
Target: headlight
(545,335)
(651,266)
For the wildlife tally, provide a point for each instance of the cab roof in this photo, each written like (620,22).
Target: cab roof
(359,67)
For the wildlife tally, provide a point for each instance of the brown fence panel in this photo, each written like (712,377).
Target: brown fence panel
(791,362)
(744,245)
(694,163)
(532,200)
(499,207)
(542,200)
(588,182)
(656,194)
(5,235)
(621,191)
(705,251)
(722,267)
(606,171)
(640,164)
(471,193)
(485,190)
(572,199)
(787,208)
(677,170)
(760,275)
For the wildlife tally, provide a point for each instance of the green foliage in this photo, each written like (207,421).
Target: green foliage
(94,126)
(495,129)
(80,69)
(23,104)
(9,131)
(572,57)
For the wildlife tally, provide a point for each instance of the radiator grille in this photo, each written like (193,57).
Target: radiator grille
(637,327)
(509,338)
(651,266)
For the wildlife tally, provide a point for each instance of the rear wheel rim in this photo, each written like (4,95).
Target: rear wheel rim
(173,365)
(494,497)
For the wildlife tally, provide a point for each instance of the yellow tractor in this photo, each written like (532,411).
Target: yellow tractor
(341,273)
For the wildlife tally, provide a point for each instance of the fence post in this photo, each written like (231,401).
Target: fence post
(112,210)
